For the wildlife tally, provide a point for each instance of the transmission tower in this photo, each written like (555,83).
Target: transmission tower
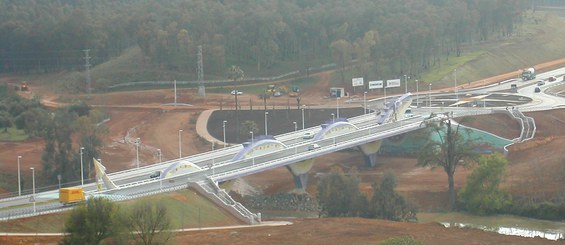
(201,88)
(87,66)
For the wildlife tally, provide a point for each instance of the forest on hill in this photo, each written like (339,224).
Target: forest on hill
(393,37)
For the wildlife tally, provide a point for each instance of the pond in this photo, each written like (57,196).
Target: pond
(502,224)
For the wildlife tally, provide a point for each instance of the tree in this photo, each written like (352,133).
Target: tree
(450,150)
(339,195)
(92,222)
(481,194)
(341,52)
(149,222)
(249,126)
(235,73)
(5,120)
(388,204)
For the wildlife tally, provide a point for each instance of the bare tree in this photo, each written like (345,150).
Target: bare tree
(450,150)
(148,223)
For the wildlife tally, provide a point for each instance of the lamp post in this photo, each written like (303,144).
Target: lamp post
(160,155)
(251,132)
(455,90)
(295,126)
(137,141)
(224,126)
(365,101)
(337,106)
(180,143)
(33,186)
(59,180)
(266,126)
(405,84)
(303,118)
(417,95)
(19,181)
(333,118)
(81,168)
(430,95)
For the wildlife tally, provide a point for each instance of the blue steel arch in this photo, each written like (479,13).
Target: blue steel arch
(260,144)
(339,124)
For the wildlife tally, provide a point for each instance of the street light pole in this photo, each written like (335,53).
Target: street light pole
(81,168)
(266,126)
(455,90)
(417,95)
(137,141)
(365,101)
(33,187)
(251,132)
(405,84)
(430,96)
(333,118)
(160,155)
(224,126)
(302,117)
(180,143)
(19,181)
(337,106)
(295,126)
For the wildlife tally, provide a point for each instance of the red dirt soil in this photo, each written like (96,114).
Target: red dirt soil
(141,114)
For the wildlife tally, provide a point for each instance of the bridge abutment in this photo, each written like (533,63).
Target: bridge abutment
(299,172)
(370,151)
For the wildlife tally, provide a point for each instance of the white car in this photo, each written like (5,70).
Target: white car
(313,147)
(541,82)
(308,135)
(233,92)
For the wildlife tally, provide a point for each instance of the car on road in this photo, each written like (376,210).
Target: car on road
(552,79)
(537,90)
(308,135)
(541,82)
(313,147)
(156,174)
(277,94)
(233,92)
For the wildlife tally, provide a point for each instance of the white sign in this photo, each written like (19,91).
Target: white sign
(375,84)
(393,83)
(356,82)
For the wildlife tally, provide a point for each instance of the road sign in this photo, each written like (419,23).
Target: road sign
(356,82)
(393,83)
(375,84)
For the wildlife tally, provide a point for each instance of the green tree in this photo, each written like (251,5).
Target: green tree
(149,223)
(341,53)
(449,150)
(339,195)
(249,126)
(5,120)
(388,204)
(92,222)
(481,194)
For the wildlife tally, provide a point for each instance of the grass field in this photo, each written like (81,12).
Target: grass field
(13,134)
(186,209)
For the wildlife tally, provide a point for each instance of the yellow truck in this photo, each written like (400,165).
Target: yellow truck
(71,195)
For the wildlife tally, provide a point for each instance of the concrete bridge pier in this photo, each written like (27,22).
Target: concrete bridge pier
(299,172)
(370,151)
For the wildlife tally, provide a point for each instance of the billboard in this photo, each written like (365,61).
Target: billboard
(375,84)
(356,82)
(393,83)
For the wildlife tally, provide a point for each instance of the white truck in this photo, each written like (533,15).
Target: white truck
(529,74)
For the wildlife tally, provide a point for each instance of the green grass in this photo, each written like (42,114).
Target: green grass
(13,134)
(186,209)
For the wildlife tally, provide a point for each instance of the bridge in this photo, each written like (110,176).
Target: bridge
(206,170)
